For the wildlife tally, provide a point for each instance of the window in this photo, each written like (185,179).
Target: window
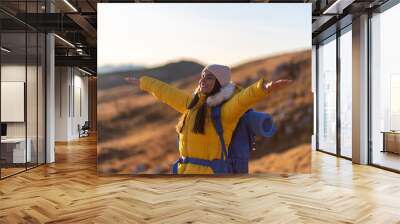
(327,96)
(346,93)
(385,89)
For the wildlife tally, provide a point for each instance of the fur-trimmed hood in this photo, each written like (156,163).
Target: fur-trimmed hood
(224,94)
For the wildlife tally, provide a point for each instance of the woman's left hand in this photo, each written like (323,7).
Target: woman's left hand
(134,81)
(276,85)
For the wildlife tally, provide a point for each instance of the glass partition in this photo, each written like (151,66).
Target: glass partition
(14,154)
(22,77)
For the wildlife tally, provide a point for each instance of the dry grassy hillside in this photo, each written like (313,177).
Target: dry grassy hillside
(137,133)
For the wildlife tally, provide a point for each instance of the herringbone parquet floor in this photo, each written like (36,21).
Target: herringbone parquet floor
(70,191)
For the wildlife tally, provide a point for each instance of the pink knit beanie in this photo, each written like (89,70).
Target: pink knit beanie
(221,72)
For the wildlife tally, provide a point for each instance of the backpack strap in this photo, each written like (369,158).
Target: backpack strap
(216,118)
(250,133)
(219,166)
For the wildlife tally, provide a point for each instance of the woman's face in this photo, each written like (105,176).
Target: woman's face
(207,82)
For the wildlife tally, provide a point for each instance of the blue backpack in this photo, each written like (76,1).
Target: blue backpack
(236,159)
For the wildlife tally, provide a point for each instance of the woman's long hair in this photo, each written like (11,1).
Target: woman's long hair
(199,123)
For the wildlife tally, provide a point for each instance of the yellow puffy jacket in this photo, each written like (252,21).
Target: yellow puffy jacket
(203,146)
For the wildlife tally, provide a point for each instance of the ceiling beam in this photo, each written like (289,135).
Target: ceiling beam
(338,6)
(78,61)
(84,24)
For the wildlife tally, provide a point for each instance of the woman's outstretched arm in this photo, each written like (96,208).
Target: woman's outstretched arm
(174,97)
(246,98)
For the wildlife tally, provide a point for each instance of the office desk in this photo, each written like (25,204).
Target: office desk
(13,150)
(391,141)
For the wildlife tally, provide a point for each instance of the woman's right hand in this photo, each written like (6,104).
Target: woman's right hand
(134,81)
(276,85)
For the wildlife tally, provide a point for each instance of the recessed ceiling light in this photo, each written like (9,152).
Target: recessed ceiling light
(5,50)
(337,7)
(86,72)
(70,5)
(64,40)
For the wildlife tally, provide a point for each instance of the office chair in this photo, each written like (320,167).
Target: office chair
(84,130)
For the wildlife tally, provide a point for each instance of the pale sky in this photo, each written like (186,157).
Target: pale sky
(225,33)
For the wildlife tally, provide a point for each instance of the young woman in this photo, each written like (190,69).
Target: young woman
(197,136)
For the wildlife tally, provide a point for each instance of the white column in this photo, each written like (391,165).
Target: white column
(50,92)
(50,110)
(360,90)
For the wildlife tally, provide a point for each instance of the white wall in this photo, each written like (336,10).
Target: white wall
(12,73)
(71,93)
(61,103)
(80,109)
(33,126)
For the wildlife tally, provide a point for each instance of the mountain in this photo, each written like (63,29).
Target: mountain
(169,72)
(104,70)
(136,133)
